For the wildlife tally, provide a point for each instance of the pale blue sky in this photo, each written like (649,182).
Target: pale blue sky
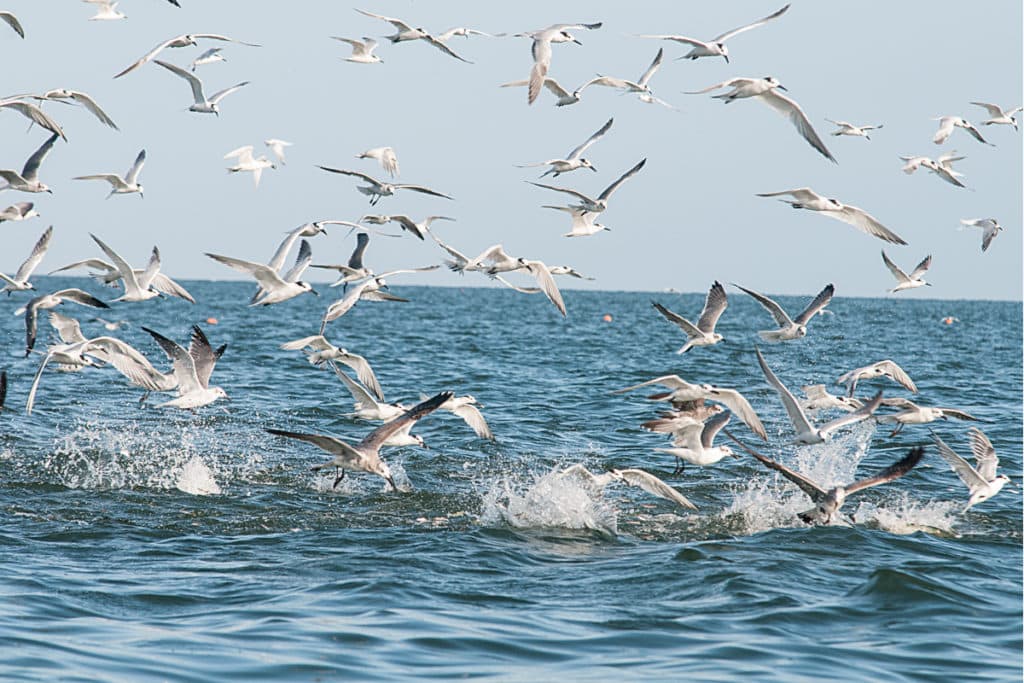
(688,218)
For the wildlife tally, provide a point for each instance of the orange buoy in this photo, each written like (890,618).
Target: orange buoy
(211,321)
(607,317)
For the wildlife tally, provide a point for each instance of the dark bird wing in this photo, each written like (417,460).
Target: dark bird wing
(375,439)
(890,473)
(714,306)
(820,302)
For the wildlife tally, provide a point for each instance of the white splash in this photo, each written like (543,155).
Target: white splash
(197,479)
(903,515)
(551,500)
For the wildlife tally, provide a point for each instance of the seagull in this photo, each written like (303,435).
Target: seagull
(276,288)
(584,223)
(136,287)
(638,86)
(716,46)
(948,123)
(277,148)
(362,50)
(33,114)
(766,90)
(468,409)
(693,442)
(461,31)
(354,270)
(79,97)
(365,455)
(806,198)
(541,50)
(601,203)
(806,433)
(129,184)
(321,351)
(106,11)
(790,328)
(818,398)
(386,157)
(20,282)
(846,128)
(501,262)
(942,167)
(48,301)
(632,477)
(373,288)
(201,104)
(192,369)
(982,481)
(20,211)
(828,502)
(565,97)
(184,40)
(110,325)
(409,225)
(703,333)
(108,274)
(207,57)
(12,21)
(905,281)
(28,179)
(574,159)
(407,32)
(371,408)
(568,270)
(247,164)
(998,115)
(911,413)
(682,392)
(883,368)
(378,189)
(281,254)
(990,228)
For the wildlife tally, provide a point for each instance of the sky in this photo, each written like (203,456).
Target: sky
(688,218)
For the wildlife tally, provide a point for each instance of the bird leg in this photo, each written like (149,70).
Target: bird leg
(680,464)
(899,428)
(338,478)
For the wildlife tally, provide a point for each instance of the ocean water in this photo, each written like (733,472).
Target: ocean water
(138,544)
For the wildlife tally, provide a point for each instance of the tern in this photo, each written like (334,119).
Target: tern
(575,158)
(354,270)
(584,223)
(129,184)
(20,281)
(192,368)
(108,274)
(806,198)
(201,104)
(806,433)
(601,203)
(378,189)
(942,167)
(716,46)
(565,97)
(33,114)
(541,50)
(276,148)
(28,179)
(790,328)
(276,288)
(362,50)
(106,11)
(276,262)
(693,442)
(184,40)
(210,56)
(638,86)
(948,123)
(818,398)
(369,407)
(766,90)
(373,288)
(998,115)
(703,333)
(828,501)
(319,351)
(385,156)
(48,301)
(632,477)
(467,408)
(904,281)
(409,225)
(990,228)
(982,481)
(12,21)
(79,97)
(365,455)
(407,32)
(248,164)
(501,262)
(136,287)
(883,368)
(911,413)
(846,128)
(20,211)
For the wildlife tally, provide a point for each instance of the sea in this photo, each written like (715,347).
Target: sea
(147,544)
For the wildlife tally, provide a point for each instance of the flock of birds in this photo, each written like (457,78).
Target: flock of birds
(697,412)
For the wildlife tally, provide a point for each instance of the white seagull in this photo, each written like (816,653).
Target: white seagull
(106,11)
(947,124)
(48,301)
(21,211)
(378,189)
(184,40)
(601,203)
(129,184)
(766,90)
(368,407)
(407,32)
(790,328)
(28,179)
(541,50)
(207,57)
(276,262)
(990,228)
(982,481)
(248,164)
(632,477)
(20,281)
(703,333)
(904,281)
(277,148)
(584,223)
(806,198)
(806,433)
(33,114)
(192,369)
(693,442)
(362,50)
(883,368)
(501,262)
(408,224)
(108,274)
(639,86)
(79,97)
(912,414)
(319,351)
(565,97)
(818,398)
(385,156)
(716,46)
(365,455)
(575,158)
(846,128)
(999,116)
(276,288)
(136,287)
(201,104)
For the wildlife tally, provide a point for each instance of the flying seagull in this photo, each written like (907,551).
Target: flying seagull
(28,179)
(184,40)
(378,189)
(716,46)
(575,158)
(790,328)
(703,333)
(806,198)
(201,104)
(129,184)
(982,481)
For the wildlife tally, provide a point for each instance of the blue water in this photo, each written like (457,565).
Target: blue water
(490,567)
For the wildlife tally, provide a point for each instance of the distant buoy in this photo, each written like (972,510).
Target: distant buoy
(607,317)
(949,320)
(211,321)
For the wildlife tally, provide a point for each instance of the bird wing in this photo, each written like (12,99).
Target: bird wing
(330,444)
(38,252)
(31,170)
(397,23)
(781,319)
(819,302)
(364,372)
(357,174)
(420,188)
(976,134)
(244,154)
(80,297)
(267,278)
(646,76)
(897,373)
(475,419)
(992,109)
(791,110)
(166,285)
(359,393)
(444,48)
(278,259)
(894,269)
(674,382)
(148,56)
(145,278)
(68,329)
(789,402)
(736,31)
(355,261)
(812,489)
(890,473)
(221,94)
(131,283)
(737,403)
(801,194)
(862,413)
(578,152)
(731,83)
(521,290)
(566,190)
(865,222)
(959,414)
(714,305)
(608,82)
(968,475)
(623,178)
(115,180)
(89,103)
(302,261)
(12,21)
(689,328)
(375,439)
(193,81)
(653,485)
(984,454)
(711,428)
(184,364)
(36,115)
(317,342)
(407,224)
(35,383)
(541,51)
(133,173)
(679,39)
(547,284)
(203,356)
(218,36)
(921,267)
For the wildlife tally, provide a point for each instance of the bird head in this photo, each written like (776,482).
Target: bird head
(566,36)
(774,82)
(44,188)
(142,192)
(220,393)
(801,330)
(724,51)
(585,163)
(306,287)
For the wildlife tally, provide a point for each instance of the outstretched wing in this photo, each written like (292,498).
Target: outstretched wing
(578,152)
(653,485)
(819,302)
(781,319)
(736,31)
(714,305)
(791,110)
(890,473)
(377,437)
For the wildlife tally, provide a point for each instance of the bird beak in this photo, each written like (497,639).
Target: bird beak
(392,482)
(576,41)
(782,87)
(142,196)
(314,292)
(726,58)
(49,191)
(424,446)
(593,169)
